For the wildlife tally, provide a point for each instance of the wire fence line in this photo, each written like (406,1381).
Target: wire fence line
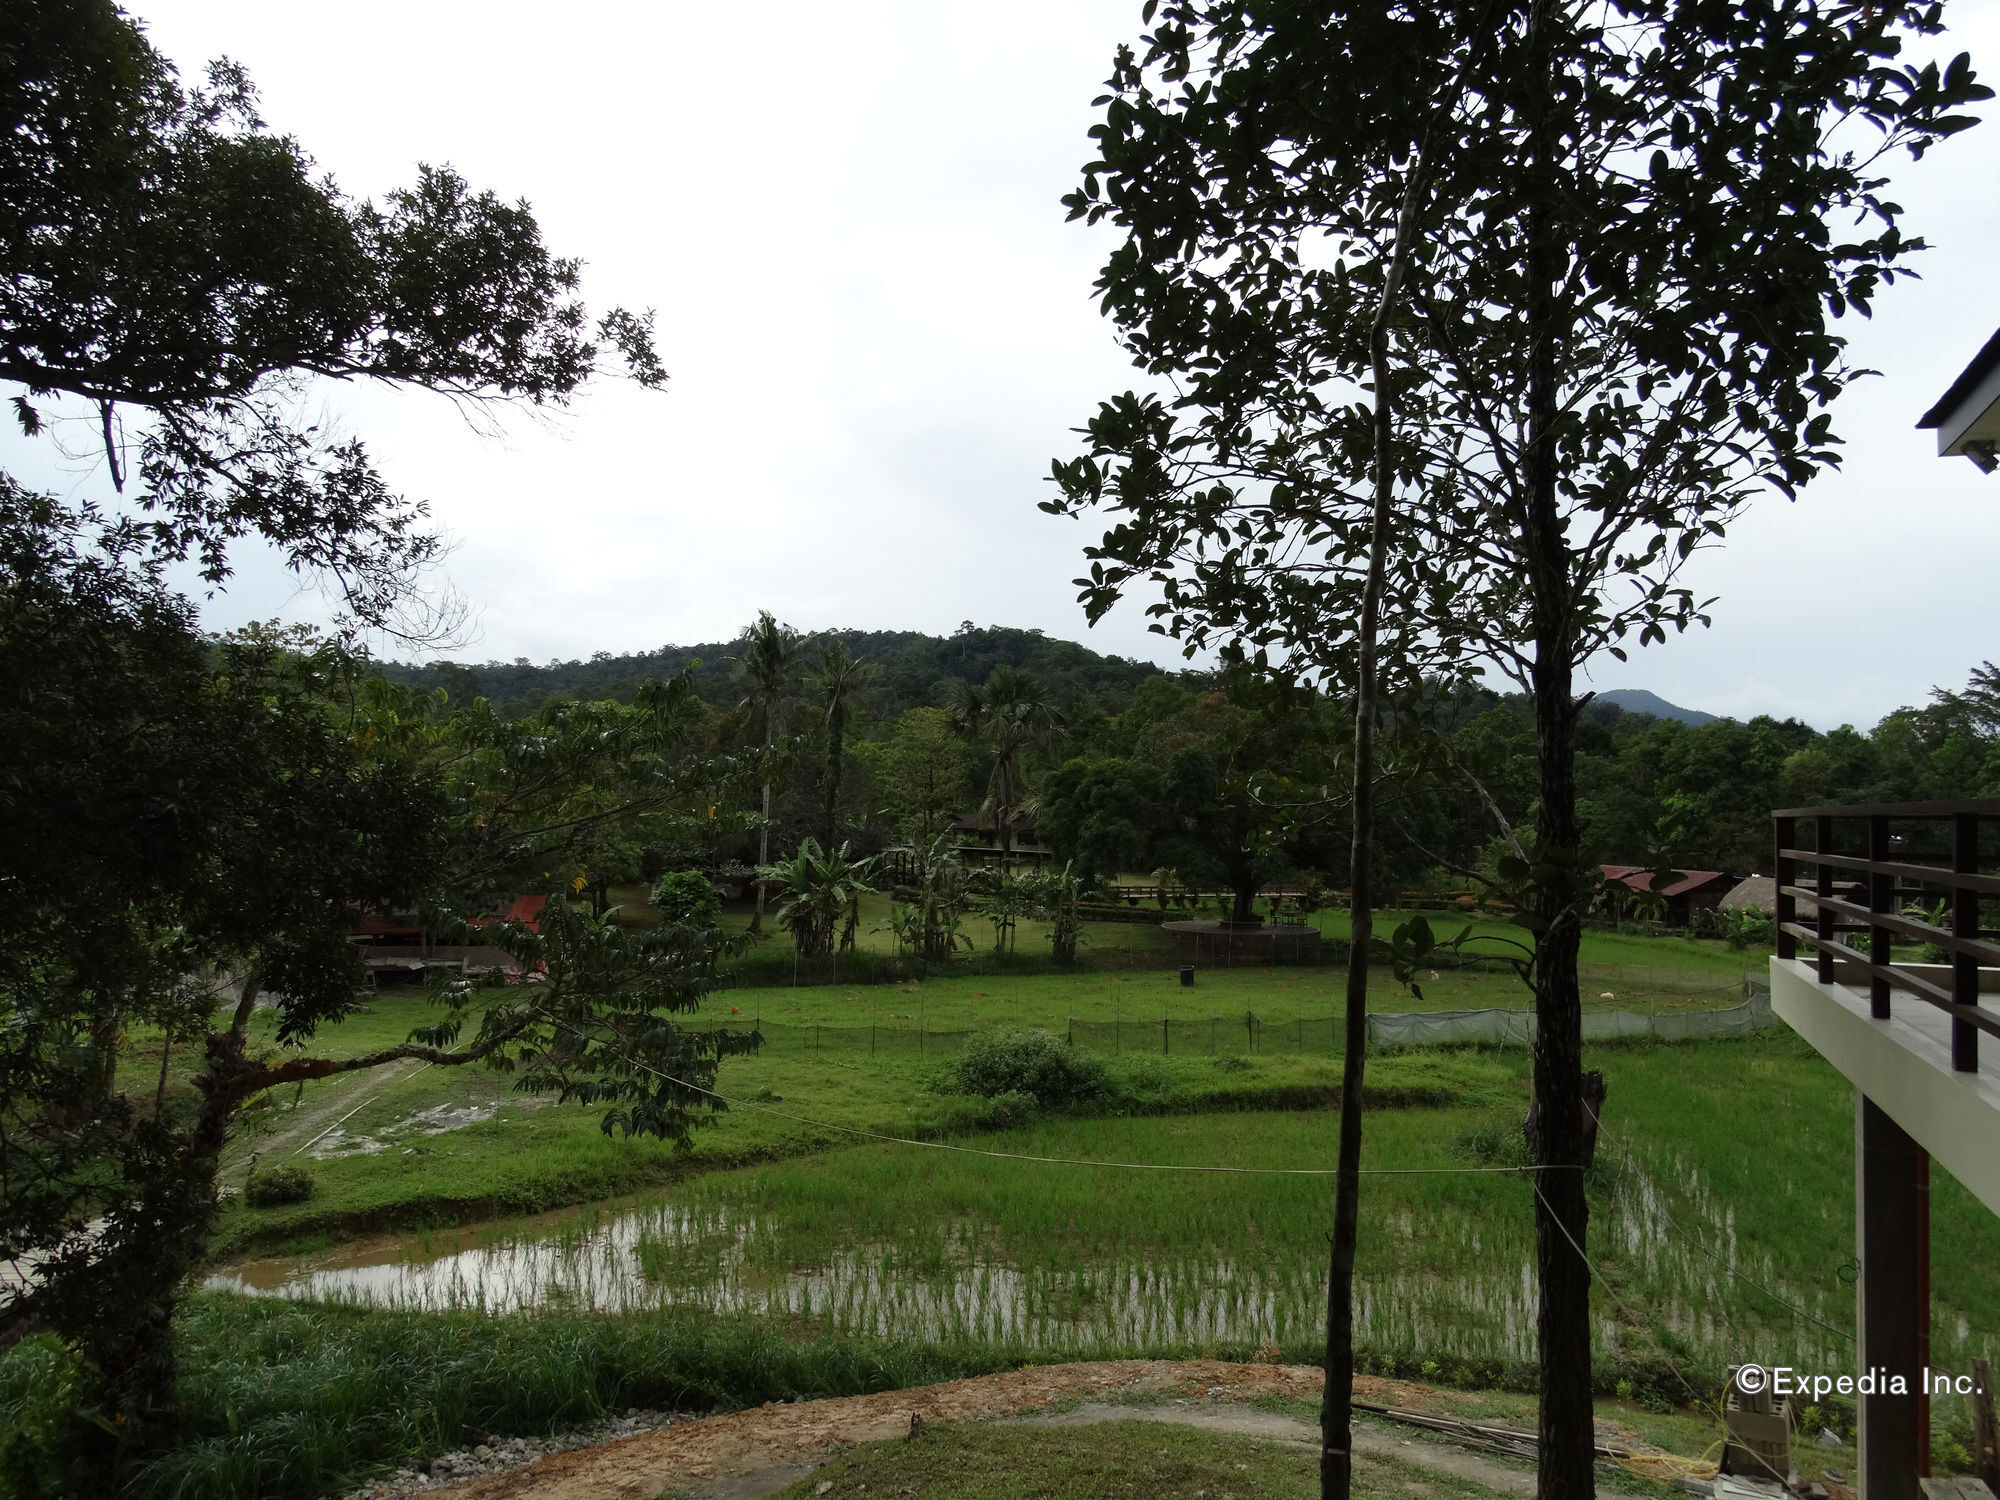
(1249,1034)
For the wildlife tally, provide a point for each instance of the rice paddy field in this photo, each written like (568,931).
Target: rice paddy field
(793,1251)
(1704,1246)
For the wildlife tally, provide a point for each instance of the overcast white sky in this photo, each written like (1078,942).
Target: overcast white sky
(880,330)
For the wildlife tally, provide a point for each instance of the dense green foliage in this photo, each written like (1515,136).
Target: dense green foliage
(1033,1062)
(687,897)
(188,823)
(163,251)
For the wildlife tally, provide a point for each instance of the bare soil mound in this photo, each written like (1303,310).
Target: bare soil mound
(755,1452)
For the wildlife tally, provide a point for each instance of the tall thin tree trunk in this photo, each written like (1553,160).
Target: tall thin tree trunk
(763,843)
(1003,816)
(836,745)
(1561,1213)
(1336,1464)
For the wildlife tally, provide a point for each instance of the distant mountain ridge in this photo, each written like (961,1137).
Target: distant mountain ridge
(911,669)
(1639,701)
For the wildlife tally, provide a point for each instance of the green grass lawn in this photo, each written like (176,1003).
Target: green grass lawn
(1276,995)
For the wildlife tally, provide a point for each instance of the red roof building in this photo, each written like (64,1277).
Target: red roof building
(1690,892)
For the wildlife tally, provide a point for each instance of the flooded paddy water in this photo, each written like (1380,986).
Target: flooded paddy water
(896,1242)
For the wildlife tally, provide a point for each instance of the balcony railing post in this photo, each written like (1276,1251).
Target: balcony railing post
(1965,927)
(1823,923)
(1881,899)
(1787,831)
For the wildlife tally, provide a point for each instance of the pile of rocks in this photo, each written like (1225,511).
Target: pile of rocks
(501,1454)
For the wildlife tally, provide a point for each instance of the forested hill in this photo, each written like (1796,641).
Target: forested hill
(914,670)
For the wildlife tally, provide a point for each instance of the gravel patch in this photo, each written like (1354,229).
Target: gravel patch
(502,1454)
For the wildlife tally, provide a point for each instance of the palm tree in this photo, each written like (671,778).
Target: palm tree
(839,679)
(770,651)
(1011,714)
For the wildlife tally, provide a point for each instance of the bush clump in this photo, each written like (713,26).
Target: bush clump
(1032,1062)
(278,1186)
(687,899)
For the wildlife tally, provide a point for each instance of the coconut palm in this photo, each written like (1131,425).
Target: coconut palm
(1011,715)
(838,679)
(770,651)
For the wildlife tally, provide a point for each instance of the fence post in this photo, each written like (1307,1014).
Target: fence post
(1166,1045)
(1823,927)
(1881,898)
(1785,829)
(1965,926)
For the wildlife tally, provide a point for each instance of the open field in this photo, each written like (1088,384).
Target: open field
(1110,947)
(435,1145)
(407,1145)
(1276,995)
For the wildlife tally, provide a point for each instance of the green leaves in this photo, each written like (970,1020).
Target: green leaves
(161,250)
(1695,275)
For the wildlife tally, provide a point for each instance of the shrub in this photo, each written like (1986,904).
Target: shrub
(1032,1062)
(686,899)
(1745,926)
(279,1186)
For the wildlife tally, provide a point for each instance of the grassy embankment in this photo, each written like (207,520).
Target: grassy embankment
(291,1401)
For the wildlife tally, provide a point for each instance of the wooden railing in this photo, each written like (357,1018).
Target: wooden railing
(1909,856)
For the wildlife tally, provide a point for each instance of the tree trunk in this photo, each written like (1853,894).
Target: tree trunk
(763,850)
(1003,816)
(1561,1214)
(1336,1462)
(836,745)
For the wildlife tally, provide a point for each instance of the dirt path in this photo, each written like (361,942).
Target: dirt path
(748,1454)
(301,1127)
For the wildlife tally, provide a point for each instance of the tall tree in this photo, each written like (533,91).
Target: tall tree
(176,272)
(838,679)
(769,658)
(1011,714)
(1620,318)
(179,809)
(923,770)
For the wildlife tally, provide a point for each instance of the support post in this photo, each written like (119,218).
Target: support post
(1787,874)
(1881,898)
(1823,886)
(1965,924)
(1888,1205)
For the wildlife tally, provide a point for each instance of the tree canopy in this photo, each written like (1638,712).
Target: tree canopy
(164,252)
